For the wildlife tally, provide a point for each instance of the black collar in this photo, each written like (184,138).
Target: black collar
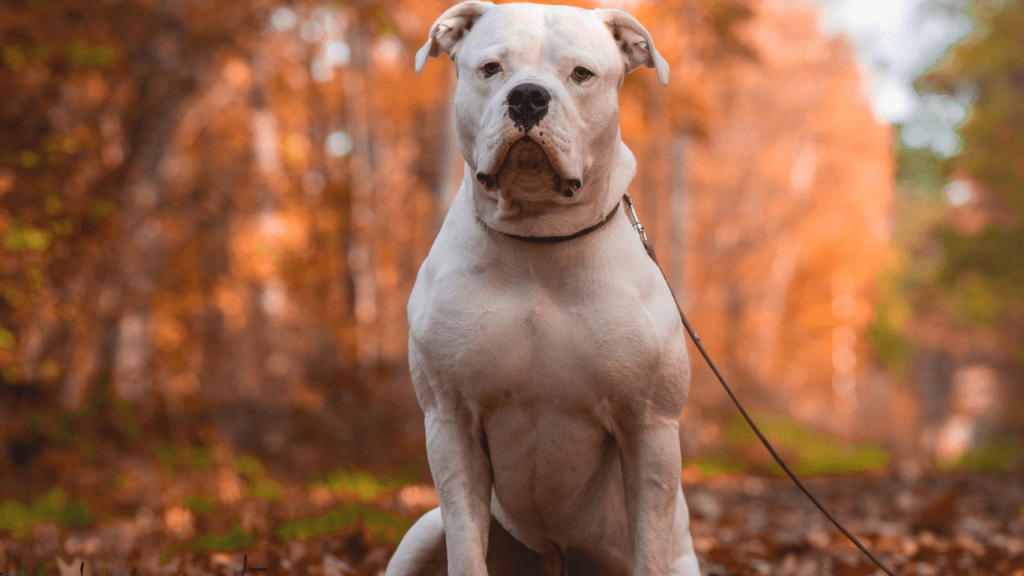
(553,239)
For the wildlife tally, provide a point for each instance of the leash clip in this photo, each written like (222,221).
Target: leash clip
(631,212)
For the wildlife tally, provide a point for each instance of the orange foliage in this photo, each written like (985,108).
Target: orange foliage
(231,201)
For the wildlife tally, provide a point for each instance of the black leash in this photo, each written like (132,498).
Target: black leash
(696,340)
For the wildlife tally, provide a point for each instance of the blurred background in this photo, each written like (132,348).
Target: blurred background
(212,214)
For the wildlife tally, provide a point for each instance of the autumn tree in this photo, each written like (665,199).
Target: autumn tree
(219,208)
(952,320)
(983,268)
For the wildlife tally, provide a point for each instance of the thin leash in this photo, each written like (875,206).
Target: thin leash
(696,340)
(631,213)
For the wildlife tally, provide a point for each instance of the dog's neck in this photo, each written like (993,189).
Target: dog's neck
(603,188)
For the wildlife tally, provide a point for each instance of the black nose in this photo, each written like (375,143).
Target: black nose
(527,105)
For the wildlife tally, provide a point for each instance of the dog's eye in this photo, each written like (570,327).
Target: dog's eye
(490,69)
(581,74)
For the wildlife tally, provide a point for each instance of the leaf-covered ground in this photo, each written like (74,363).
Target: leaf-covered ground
(963,523)
(102,493)
(208,511)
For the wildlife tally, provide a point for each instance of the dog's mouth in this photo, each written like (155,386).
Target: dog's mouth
(527,154)
(526,165)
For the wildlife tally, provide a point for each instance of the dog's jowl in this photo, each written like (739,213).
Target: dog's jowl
(545,347)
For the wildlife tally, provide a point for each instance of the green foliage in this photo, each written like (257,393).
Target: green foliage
(34,278)
(23,236)
(384,526)
(12,295)
(172,459)
(997,456)
(807,451)
(28,159)
(133,424)
(385,25)
(10,373)
(199,504)
(920,169)
(894,348)
(814,452)
(101,209)
(235,538)
(50,370)
(82,54)
(52,204)
(356,483)
(40,568)
(14,57)
(169,553)
(260,485)
(994,134)
(106,406)
(909,271)
(974,301)
(60,429)
(7,340)
(722,462)
(983,271)
(63,227)
(120,481)
(167,460)
(53,506)
(957,276)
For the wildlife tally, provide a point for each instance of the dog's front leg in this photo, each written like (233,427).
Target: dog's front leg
(462,474)
(649,450)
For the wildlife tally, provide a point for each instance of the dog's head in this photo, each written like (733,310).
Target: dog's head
(536,103)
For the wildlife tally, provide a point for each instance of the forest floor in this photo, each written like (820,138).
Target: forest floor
(158,508)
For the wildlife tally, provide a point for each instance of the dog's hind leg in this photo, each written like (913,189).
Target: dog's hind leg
(422,550)
(685,566)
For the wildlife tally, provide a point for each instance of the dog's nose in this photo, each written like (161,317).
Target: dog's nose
(527,105)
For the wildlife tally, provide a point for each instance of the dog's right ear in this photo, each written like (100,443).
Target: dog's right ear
(450,29)
(634,42)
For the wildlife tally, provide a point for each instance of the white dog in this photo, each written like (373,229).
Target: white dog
(545,346)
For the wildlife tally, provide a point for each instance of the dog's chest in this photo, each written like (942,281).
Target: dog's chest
(567,347)
(519,347)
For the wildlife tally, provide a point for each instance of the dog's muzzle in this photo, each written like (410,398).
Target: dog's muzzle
(525,154)
(527,105)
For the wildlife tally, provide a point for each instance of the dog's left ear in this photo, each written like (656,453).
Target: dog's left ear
(449,30)
(634,42)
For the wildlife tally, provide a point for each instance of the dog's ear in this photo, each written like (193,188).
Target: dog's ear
(634,42)
(449,30)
